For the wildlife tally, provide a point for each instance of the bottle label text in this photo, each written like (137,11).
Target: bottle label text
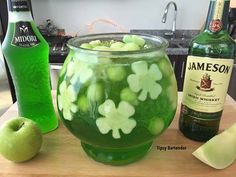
(24,35)
(206,82)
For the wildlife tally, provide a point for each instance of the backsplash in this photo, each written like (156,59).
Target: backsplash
(76,15)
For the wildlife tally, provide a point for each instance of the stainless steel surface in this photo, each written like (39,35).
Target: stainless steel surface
(63,47)
(54,48)
(58,49)
(54,74)
(174,19)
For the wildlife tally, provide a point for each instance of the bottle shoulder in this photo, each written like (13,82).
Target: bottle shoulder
(206,38)
(219,45)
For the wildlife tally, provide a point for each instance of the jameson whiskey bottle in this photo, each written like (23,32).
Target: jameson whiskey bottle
(208,71)
(26,53)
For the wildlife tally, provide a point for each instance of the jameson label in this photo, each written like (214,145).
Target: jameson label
(24,35)
(206,83)
(18,5)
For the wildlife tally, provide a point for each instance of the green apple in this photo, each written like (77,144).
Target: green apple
(20,139)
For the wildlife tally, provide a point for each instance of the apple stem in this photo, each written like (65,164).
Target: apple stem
(21,125)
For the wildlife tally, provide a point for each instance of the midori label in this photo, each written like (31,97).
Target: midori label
(208,81)
(24,35)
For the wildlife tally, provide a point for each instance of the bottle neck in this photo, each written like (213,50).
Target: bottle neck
(19,10)
(217,18)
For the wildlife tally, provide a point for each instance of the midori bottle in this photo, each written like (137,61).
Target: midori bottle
(26,53)
(208,71)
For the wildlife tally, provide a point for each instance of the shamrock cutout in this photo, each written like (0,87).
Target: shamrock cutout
(145,80)
(116,119)
(65,100)
(79,71)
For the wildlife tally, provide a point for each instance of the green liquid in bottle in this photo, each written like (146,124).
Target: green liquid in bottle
(26,53)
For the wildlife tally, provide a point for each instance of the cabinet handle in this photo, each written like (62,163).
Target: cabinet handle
(182,69)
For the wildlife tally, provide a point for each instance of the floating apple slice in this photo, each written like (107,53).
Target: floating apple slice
(220,151)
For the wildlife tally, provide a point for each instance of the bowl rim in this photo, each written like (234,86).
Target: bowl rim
(163,43)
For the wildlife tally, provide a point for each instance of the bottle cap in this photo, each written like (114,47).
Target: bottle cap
(18,5)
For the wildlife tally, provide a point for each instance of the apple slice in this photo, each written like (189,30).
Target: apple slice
(220,151)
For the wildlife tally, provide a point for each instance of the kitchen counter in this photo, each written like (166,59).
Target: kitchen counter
(61,155)
(178,43)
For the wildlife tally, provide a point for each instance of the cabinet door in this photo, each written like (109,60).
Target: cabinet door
(232,84)
(178,63)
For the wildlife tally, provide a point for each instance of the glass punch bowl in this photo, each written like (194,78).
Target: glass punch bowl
(117,102)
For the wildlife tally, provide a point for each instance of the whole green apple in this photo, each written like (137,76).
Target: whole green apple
(20,139)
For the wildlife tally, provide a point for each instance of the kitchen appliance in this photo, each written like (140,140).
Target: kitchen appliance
(58,49)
